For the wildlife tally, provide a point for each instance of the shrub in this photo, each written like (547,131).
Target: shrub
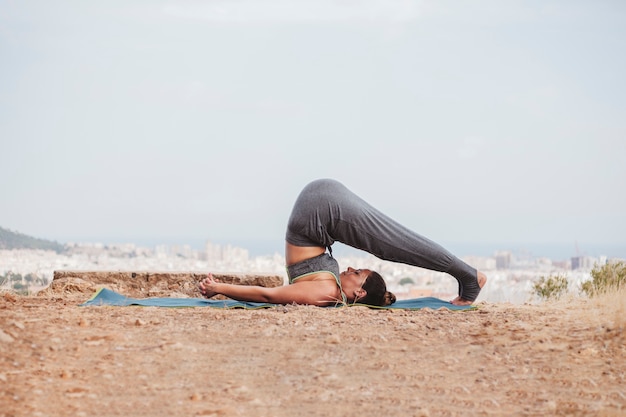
(406,281)
(551,287)
(609,277)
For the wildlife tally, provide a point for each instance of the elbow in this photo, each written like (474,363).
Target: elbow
(266,296)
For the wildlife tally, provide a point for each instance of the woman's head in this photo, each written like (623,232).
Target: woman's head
(366,287)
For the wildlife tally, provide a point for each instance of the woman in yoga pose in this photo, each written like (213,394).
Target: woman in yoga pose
(325,212)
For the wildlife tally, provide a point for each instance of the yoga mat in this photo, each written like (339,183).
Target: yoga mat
(106,297)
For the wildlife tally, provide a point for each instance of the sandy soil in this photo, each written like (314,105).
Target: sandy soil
(565,358)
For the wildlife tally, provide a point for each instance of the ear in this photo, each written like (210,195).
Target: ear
(359,293)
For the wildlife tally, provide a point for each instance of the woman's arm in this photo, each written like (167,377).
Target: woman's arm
(319,293)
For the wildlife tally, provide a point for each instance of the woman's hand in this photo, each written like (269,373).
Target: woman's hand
(207,286)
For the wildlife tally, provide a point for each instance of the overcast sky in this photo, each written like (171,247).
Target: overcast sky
(481,121)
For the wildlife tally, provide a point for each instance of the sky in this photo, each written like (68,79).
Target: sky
(469,122)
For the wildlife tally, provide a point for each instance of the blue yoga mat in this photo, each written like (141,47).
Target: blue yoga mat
(106,297)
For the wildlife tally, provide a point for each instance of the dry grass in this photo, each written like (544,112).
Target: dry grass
(610,308)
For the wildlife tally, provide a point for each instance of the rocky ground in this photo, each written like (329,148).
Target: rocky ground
(565,358)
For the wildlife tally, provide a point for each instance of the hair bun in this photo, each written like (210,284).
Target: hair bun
(389,298)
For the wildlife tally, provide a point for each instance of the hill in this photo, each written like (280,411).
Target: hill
(15,240)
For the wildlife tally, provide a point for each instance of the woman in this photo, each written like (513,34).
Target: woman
(325,212)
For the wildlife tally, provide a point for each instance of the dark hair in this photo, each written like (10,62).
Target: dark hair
(377,294)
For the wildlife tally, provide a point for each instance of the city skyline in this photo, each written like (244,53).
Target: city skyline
(262,247)
(511,277)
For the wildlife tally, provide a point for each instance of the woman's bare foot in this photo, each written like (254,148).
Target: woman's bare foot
(482,280)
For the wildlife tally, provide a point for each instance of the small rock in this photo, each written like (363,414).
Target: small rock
(10,297)
(195,397)
(175,346)
(83,323)
(216,413)
(422,412)
(140,322)
(76,392)
(5,338)
(18,325)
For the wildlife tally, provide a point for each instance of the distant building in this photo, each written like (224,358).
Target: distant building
(229,253)
(582,262)
(213,252)
(567,264)
(235,254)
(503,259)
(481,263)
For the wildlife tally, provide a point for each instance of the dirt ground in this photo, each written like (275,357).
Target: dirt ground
(565,358)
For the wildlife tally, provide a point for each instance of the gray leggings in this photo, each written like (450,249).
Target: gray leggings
(326,211)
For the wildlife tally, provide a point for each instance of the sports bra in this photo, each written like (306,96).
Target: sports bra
(321,263)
